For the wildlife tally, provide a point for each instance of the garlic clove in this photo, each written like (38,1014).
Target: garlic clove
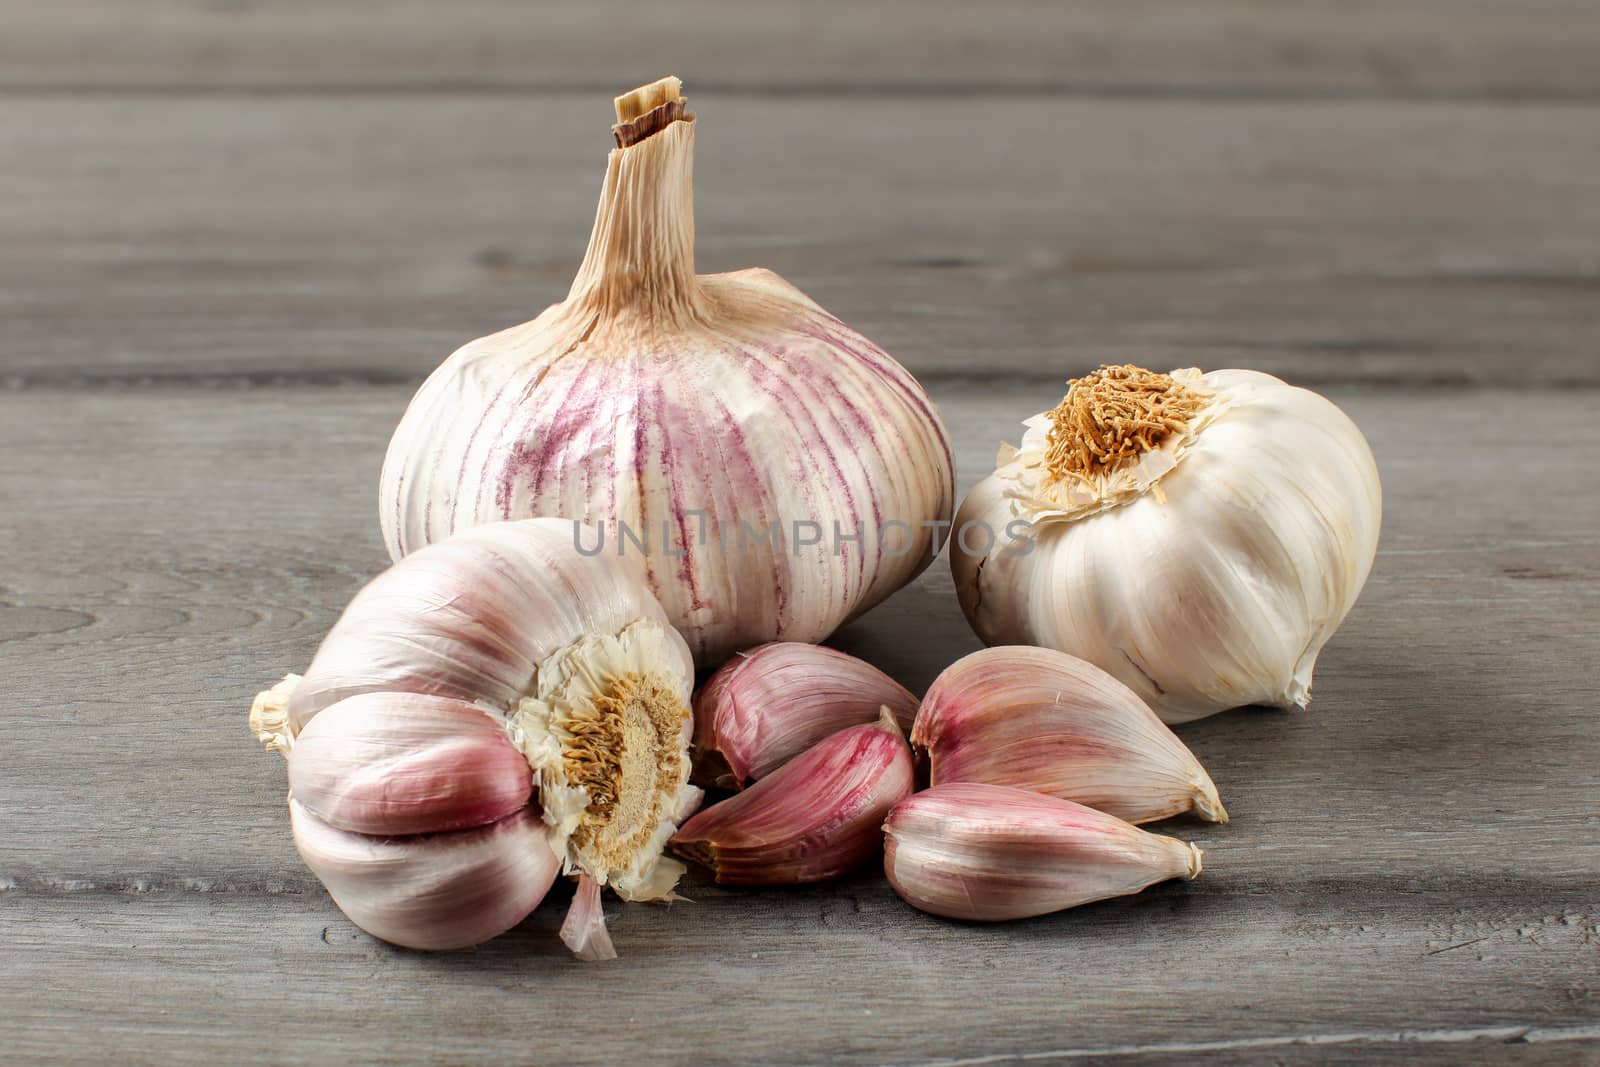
(816,817)
(407,763)
(434,891)
(768,705)
(1042,720)
(991,852)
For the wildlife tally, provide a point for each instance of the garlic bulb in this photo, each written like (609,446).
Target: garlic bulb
(768,705)
(497,667)
(1041,720)
(1198,536)
(816,817)
(778,472)
(990,853)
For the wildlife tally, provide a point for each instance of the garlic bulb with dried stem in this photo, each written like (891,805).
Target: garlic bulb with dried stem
(1041,720)
(778,472)
(498,669)
(1198,536)
(768,705)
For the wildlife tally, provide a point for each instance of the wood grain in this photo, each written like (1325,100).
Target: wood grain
(1410,872)
(363,239)
(1522,48)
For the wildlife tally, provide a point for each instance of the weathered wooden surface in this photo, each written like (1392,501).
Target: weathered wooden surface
(1524,48)
(235,235)
(365,238)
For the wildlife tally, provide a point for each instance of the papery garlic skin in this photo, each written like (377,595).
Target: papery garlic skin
(818,816)
(584,929)
(991,853)
(431,891)
(472,671)
(1044,721)
(1207,575)
(766,706)
(689,409)
(406,763)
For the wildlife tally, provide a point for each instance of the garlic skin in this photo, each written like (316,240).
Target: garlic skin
(1205,572)
(473,672)
(584,929)
(1047,722)
(432,891)
(991,853)
(691,409)
(766,706)
(405,763)
(816,817)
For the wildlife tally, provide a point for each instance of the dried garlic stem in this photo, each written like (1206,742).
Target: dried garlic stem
(649,110)
(269,715)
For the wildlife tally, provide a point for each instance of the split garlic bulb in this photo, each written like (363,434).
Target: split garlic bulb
(1197,536)
(778,472)
(489,711)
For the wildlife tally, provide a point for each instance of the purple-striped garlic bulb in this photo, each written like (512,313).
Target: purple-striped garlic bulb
(777,472)
(490,711)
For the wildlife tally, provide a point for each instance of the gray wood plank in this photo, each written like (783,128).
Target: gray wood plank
(1412,864)
(1406,47)
(364,238)
(850,976)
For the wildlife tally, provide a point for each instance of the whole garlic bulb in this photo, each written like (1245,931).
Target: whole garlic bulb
(493,670)
(725,420)
(1197,536)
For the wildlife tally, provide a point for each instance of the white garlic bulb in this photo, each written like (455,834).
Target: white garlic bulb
(1197,536)
(495,669)
(779,472)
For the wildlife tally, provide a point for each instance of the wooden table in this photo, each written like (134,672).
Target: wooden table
(235,236)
